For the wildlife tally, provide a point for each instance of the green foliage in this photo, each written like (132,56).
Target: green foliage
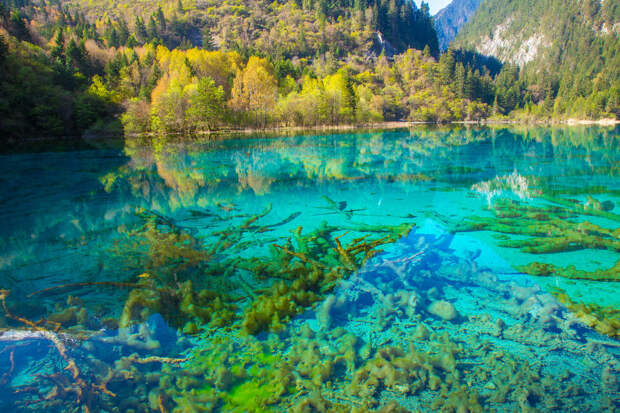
(547,270)
(206,105)
(4,49)
(293,63)
(570,65)
(32,101)
(17,26)
(289,28)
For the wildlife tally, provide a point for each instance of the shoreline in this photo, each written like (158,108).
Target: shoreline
(344,127)
(601,122)
(402,125)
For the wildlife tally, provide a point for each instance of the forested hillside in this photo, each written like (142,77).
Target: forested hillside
(176,67)
(45,86)
(568,51)
(75,67)
(299,28)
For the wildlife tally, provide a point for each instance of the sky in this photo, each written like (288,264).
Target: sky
(435,5)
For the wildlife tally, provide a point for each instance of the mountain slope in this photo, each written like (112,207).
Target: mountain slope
(523,31)
(299,28)
(567,50)
(451,18)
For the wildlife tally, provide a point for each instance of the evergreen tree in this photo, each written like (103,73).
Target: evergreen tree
(446,68)
(112,38)
(131,41)
(207,39)
(152,29)
(140,30)
(4,49)
(459,80)
(58,50)
(17,24)
(123,32)
(161,20)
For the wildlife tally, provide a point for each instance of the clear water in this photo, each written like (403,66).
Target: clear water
(222,275)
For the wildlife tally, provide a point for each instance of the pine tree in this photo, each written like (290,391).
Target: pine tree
(18,27)
(58,51)
(112,38)
(140,30)
(459,80)
(207,39)
(4,49)
(161,20)
(152,29)
(446,68)
(123,32)
(74,56)
(131,41)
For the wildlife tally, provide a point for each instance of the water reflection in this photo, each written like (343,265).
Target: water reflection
(324,272)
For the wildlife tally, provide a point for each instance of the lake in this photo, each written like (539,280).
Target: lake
(427,269)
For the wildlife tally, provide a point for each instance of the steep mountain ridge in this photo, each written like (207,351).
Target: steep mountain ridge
(522,31)
(449,20)
(565,49)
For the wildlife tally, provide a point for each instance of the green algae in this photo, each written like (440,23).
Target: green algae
(591,206)
(548,229)
(182,306)
(250,396)
(549,270)
(330,371)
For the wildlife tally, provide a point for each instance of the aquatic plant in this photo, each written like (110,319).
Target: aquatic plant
(604,319)
(549,270)
(160,248)
(314,264)
(183,306)
(183,277)
(549,228)
(557,225)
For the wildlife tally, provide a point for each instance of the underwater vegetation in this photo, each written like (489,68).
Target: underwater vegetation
(604,319)
(549,228)
(291,278)
(199,282)
(549,225)
(190,280)
(547,270)
(209,353)
(314,266)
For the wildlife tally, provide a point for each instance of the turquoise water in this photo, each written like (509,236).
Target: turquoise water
(370,271)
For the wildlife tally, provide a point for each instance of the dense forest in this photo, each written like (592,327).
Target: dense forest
(568,52)
(76,67)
